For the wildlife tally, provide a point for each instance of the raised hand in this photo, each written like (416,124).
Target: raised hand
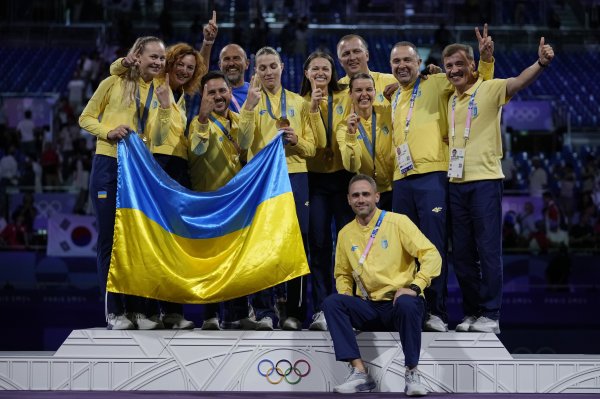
(210,30)
(352,121)
(254,93)
(486,45)
(206,106)
(163,93)
(130,60)
(545,52)
(389,90)
(119,132)
(316,95)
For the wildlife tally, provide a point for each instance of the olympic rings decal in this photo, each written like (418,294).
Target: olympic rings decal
(280,374)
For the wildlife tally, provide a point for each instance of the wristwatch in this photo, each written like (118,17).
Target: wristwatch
(415,288)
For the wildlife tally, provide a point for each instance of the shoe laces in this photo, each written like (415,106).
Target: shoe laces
(413,377)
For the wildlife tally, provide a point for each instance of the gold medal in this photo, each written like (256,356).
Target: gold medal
(144,138)
(282,122)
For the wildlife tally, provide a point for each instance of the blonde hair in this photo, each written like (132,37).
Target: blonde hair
(180,50)
(130,78)
(268,51)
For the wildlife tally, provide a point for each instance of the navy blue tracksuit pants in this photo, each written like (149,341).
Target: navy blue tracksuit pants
(343,312)
(424,199)
(476,225)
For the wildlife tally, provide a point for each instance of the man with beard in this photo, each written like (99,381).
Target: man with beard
(475,172)
(215,159)
(233,62)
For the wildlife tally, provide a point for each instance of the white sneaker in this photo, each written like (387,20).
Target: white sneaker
(465,324)
(211,324)
(176,321)
(265,324)
(120,322)
(436,324)
(291,324)
(141,322)
(413,386)
(319,323)
(357,381)
(484,324)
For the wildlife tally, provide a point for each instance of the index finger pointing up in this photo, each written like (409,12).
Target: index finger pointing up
(214,17)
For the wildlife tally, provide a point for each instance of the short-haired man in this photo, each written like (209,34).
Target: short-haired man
(234,63)
(377,252)
(215,158)
(353,56)
(475,190)
(420,188)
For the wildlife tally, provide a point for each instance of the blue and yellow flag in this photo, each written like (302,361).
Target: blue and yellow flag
(182,246)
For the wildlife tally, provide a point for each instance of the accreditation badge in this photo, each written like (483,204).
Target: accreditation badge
(457,163)
(405,162)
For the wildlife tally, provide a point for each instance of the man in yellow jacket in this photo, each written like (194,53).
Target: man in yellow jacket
(377,253)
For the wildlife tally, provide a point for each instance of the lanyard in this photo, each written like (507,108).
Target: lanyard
(225,132)
(143,115)
(467,132)
(235,103)
(413,97)
(282,103)
(329,125)
(369,144)
(365,253)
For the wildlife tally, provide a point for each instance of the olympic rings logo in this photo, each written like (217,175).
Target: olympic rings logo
(280,374)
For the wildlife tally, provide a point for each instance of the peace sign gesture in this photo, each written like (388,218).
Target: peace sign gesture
(210,30)
(486,45)
(207,105)
(254,93)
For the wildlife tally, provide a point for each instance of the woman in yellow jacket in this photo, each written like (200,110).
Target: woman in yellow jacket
(366,139)
(139,102)
(327,178)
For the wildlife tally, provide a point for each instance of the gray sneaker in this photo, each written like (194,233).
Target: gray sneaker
(319,323)
(265,324)
(176,321)
(465,324)
(357,381)
(435,324)
(158,320)
(413,386)
(485,324)
(142,322)
(291,324)
(118,322)
(211,324)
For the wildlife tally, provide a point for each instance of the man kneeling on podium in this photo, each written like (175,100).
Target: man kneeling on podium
(377,253)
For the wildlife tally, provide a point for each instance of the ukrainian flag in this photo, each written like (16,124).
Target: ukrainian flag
(182,246)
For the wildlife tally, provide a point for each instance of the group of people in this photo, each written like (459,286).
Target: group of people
(395,162)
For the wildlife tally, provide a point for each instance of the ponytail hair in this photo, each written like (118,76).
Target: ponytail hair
(130,78)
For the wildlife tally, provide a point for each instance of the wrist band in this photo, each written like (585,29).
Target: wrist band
(212,42)
(541,65)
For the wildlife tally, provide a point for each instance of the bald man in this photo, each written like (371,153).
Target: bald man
(233,62)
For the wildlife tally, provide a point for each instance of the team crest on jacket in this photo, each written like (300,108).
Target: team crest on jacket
(380,97)
(292,112)
(262,112)
(354,248)
(437,209)
(385,130)
(339,109)
(154,104)
(384,244)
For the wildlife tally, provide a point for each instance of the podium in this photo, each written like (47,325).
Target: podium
(196,360)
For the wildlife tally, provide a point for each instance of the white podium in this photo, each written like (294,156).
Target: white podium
(97,359)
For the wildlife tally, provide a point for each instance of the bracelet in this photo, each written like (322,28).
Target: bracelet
(212,42)
(541,65)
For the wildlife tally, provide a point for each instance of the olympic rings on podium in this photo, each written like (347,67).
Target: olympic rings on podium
(284,373)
